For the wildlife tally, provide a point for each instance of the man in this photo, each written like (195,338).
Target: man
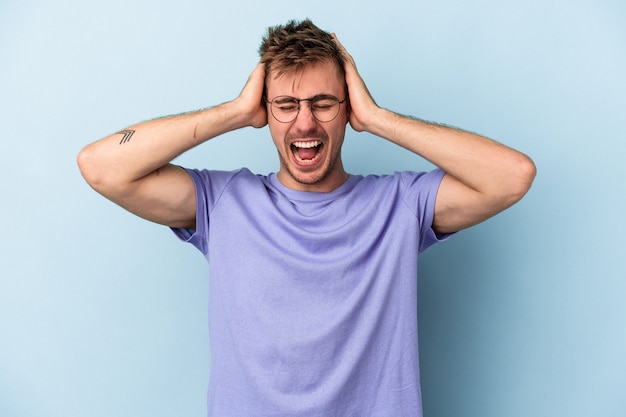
(313,271)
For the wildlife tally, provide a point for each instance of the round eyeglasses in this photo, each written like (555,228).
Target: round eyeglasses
(324,108)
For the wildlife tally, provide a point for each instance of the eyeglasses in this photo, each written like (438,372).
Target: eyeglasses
(324,108)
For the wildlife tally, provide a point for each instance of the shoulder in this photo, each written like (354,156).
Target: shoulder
(417,191)
(216,175)
(220,179)
(422,179)
(402,180)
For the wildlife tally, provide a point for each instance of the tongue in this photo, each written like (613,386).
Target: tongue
(307,153)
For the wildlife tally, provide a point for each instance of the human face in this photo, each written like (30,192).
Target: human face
(309,151)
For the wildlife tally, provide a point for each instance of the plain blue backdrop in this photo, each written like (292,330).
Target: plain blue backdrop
(103,314)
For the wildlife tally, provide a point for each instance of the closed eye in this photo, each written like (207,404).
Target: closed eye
(287,107)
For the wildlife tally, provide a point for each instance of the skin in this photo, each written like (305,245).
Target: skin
(325,172)
(132,167)
(483,177)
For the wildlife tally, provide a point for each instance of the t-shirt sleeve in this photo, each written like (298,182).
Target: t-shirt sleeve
(209,187)
(421,194)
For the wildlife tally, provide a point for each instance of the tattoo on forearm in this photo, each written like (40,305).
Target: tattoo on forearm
(127,135)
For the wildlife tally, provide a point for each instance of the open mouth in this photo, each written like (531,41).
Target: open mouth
(306,152)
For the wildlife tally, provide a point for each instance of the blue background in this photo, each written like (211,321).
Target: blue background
(103,314)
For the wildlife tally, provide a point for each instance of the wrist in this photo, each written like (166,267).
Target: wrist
(243,114)
(379,121)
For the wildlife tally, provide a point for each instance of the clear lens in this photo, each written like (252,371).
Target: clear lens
(285,109)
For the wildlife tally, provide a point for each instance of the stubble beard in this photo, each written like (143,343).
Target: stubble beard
(307,179)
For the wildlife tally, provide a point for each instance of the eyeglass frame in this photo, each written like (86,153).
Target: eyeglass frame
(310,100)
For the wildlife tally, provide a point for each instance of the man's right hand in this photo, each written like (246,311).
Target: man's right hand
(251,100)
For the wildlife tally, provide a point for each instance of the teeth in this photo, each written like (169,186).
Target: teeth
(307,144)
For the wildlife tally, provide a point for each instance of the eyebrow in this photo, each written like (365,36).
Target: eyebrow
(315,97)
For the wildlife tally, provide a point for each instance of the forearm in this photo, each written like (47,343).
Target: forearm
(141,149)
(482,178)
(481,164)
(132,154)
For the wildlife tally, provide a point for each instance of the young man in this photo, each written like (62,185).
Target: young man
(313,271)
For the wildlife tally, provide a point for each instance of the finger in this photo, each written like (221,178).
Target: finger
(346,55)
(259,72)
(256,79)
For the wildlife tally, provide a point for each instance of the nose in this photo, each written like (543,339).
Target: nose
(305,120)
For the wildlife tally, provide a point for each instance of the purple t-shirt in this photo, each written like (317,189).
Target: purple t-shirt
(313,296)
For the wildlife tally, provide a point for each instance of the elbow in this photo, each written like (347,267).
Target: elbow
(527,172)
(104,174)
(510,185)
(91,168)
(85,163)
(521,178)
